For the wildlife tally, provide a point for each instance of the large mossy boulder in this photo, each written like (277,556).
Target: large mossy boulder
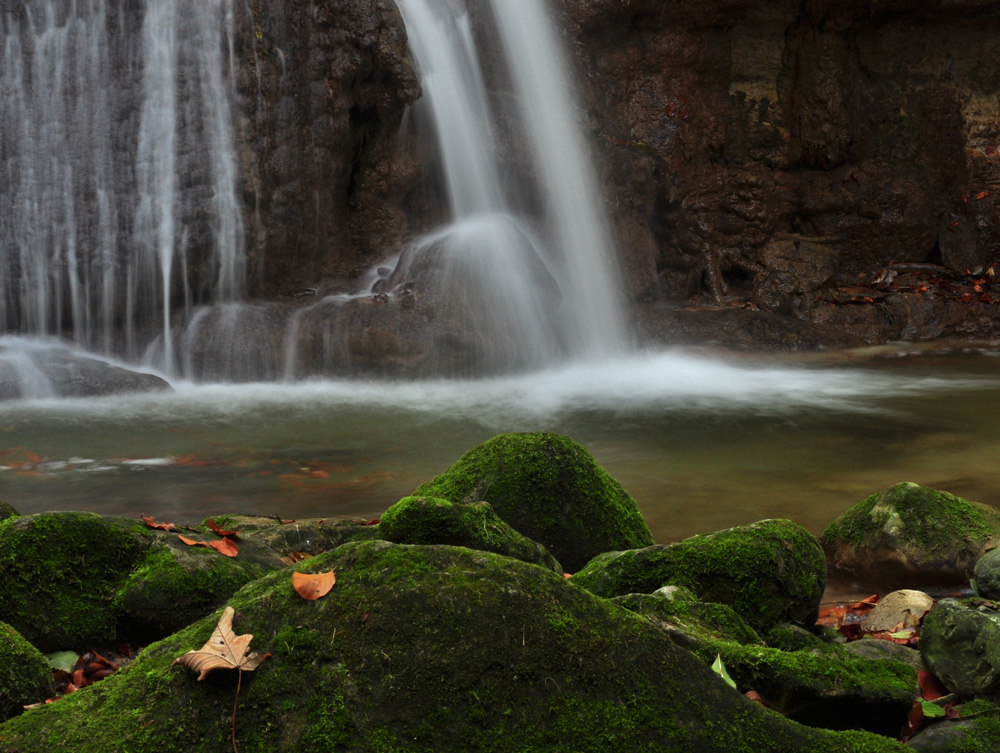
(425,648)
(75,580)
(25,676)
(769,572)
(550,489)
(425,520)
(910,534)
(960,643)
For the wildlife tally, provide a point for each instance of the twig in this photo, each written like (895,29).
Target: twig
(239,679)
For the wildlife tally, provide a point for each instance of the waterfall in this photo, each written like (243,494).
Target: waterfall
(118,202)
(498,254)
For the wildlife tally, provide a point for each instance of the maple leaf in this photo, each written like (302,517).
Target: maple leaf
(224,650)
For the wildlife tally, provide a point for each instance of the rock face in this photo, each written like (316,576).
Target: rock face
(769,572)
(819,140)
(910,534)
(426,648)
(550,489)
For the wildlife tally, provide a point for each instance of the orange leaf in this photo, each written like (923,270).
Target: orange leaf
(191,542)
(226,546)
(966,297)
(982,194)
(311,587)
(212,524)
(224,650)
(753,695)
(161,526)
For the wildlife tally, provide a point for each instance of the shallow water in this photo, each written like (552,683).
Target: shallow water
(701,443)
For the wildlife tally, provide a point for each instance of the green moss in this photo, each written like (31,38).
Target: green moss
(59,573)
(698,620)
(932,519)
(7,511)
(25,676)
(427,648)
(550,489)
(424,520)
(769,572)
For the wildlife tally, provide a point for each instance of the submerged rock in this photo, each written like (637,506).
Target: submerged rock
(25,676)
(771,571)
(425,520)
(426,648)
(910,534)
(550,489)
(960,642)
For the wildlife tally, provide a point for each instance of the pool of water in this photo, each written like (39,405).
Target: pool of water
(701,442)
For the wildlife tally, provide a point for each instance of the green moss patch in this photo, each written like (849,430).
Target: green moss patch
(25,676)
(425,648)
(769,572)
(424,520)
(550,489)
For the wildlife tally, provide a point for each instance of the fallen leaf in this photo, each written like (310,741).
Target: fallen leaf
(292,557)
(160,526)
(224,650)
(982,194)
(966,297)
(931,710)
(226,546)
(191,542)
(753,695)
(720,669)
(930,687)
(313,586)
(212,524)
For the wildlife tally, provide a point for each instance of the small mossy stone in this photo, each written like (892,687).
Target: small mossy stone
(550,489)
(960,643)
(910,534)
(7,511)
(769,572)
(59,573)
(425,520)
(420,649)
(987,575)
(978,732)
(25,676)
(175,584)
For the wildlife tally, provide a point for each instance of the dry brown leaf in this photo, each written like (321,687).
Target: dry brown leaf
(224,650)
(191,542)
(161,526)
(312,586)
(294,557)
(226,546)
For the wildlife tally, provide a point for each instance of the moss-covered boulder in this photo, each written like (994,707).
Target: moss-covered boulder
(425,648)
(686,620)
(425,520)
(78,580)
(987,575)
(550,489)
(960,643)
(910,534)
(7,511)
(770,572)
(25,676)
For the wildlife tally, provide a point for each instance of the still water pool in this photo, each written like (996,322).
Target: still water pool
(701,442)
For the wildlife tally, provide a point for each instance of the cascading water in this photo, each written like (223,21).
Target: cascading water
(118,170)
(502,258)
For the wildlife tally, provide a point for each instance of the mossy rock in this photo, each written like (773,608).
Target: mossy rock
(424,648)
(59,573)
(550,489)
(73,580)
(688,621)
(910,534)
(25,676)
(7,511)
(769,572)
(960,643)
(977,732)
(823,687)
(308,536)
(425,520)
